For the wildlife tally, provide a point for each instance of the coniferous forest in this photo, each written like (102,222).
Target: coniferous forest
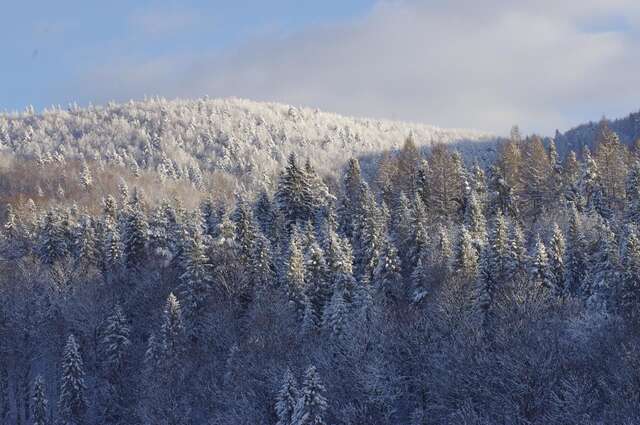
(436,286)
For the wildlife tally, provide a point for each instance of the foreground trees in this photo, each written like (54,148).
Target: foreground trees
(425,294)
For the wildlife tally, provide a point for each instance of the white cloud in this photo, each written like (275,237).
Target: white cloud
(462,63)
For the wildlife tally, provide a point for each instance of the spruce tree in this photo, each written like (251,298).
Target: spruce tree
(286,399)
(294,196)
(317,284)
(195,281)
(334,318)
(387,276)
(632,204)
(518,259)
(629,293)
(475,221)
(136,236)
(116,343)
(600,288)
(311,405)
(262,269)
(295,272)
(172,332)
(72,403)
(540,270)
(557,260)
(498,253)
(39,402)
(466,256)
(576,262)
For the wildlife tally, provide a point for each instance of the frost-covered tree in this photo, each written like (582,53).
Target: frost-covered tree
(632,204)
(40,402)
(72,403)
(387,277)
(116,342)
(294,197)
(172,332)
(317,284)
(604,274)
(475,221)
(286,399)
(576,262)
(334,318)
(86,179)
(557,250)
(629,293)
(312,404)
(466,256)
(540,271)
(136,236)
(519,260)
(195,281)
(498,253)
(295,271)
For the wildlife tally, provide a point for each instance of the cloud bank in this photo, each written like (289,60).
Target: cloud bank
(461,63)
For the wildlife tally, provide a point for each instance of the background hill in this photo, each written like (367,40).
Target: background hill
(197,140)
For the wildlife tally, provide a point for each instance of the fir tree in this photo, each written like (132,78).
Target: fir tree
(632,205)
(466,256)
(387,276)
(195,280)
(264,213)
(136,236)
(601,288)
(486,287)
(286,399)
(295,272)
(556,260)
(173,332)
(518,260)
(334,318)
(311,405)
(317,286)
(72,402)
(245,230)
(85,177)
(116,342)
(498,254)
(576,263)
(39,402)
(294,195)
(629,294)
(475,221)
(262,271)
(419,280)
(540,270)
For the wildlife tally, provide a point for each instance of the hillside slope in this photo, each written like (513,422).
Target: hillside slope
(627,128)
(193,138)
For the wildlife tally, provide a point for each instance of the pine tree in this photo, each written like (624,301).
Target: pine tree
(540,270)
(136,236)
(295,272)
(498,254)
(519,260)
(486,287)
(52,245)
(629,294)
(317,286)
(603,271)
(294,197)
(632,205)
(311,405)
(116,343)
(262,271)
(39,402)
(592,190)
(334,318)
(86,246)
(475,221)
(111,245)
(85,177)
(264,213)
(195,282)
(387,277)
(172,332)
(368,233)
(286,399)
(245,230)
(466,256)
(576,263)
(419,280)
(556,260)
(72,403)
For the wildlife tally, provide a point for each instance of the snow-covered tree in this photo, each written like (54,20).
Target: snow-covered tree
(72,404)
(557,260)
(576,262)
(294,197)
(466,256)
(40,402)
(286,399)
(540,271)
(387,277)
(312,404)
(116,342)
(629,292)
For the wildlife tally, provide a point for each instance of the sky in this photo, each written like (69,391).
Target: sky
(487,65)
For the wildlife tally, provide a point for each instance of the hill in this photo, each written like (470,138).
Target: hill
(193,139)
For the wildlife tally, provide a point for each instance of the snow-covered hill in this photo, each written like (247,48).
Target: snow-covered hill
(192,138)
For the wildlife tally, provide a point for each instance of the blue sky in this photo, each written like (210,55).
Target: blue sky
(49,44)
(453,63)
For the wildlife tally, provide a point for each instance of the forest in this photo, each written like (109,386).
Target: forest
(432,288)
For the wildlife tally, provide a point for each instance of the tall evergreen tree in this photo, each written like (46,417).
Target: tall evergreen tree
(466,256)
(72,403)
(312,404)
(557,260)
(287,399)
(387,276)
(629,294)
(576,262)
(39,402)
(540,270)
(294,195)
(136,236)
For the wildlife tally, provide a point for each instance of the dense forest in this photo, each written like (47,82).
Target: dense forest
(434,289)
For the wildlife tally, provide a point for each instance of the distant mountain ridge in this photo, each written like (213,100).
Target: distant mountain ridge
(577,138)
(190,138)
